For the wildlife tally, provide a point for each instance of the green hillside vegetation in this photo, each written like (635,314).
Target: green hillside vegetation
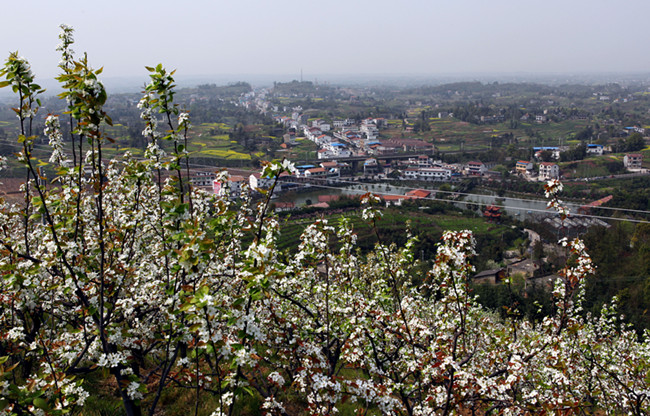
(427,221)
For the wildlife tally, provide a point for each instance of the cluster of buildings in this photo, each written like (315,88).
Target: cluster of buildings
(550,170)
(420,168)
(546,171)
(425,168)
(348,138)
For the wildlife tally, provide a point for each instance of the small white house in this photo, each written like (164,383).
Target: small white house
(595,149)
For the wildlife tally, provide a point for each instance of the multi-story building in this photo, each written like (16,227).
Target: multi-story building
(524,167)
(427,174)
(235,183)
(548,170)
(476,168)
(633,160)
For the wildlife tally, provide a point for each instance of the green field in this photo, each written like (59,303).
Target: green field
(448,134)
(393,224)
(225,154)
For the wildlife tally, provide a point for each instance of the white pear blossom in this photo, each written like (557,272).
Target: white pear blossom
(53,132)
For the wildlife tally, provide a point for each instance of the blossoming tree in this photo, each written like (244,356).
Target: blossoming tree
(120,268)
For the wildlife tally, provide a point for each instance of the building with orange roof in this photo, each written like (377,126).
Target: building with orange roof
(315,172)
(419,193)
(524,167)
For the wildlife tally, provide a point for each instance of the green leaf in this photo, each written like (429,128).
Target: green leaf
(204,290)
(209,349)
(41,403)
(256,293)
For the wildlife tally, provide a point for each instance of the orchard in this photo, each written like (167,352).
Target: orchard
(120,272)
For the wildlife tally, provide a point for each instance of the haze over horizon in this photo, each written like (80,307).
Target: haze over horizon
(255,39)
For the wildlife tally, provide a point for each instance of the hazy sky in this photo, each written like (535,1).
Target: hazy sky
(245,37)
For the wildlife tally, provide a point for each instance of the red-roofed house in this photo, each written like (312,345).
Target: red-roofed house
(476,168)
(322,139)
(284,206)
(325,154)
(492,213)
(235,183)
(315,172)
(548,170)
(394,199)
(419,193)
(328,198)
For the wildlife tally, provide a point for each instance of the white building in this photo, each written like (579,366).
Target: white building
(315,172)
(548,170)
(435,174)
(633,161)
(203,178)
(427,174)
(595,149)
(322,140)
(476,168)
(370,131)
(322,125)
(235,184)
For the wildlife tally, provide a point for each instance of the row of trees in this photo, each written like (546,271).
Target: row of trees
(120,268)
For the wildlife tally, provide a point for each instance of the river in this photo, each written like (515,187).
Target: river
(518,207)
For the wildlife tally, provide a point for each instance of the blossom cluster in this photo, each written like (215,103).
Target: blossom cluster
(551,190)
(53,132)
(66,36)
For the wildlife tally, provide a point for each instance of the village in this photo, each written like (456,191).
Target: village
(353,151)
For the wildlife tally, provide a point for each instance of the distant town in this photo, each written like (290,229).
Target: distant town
(468,149)
(407,149)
